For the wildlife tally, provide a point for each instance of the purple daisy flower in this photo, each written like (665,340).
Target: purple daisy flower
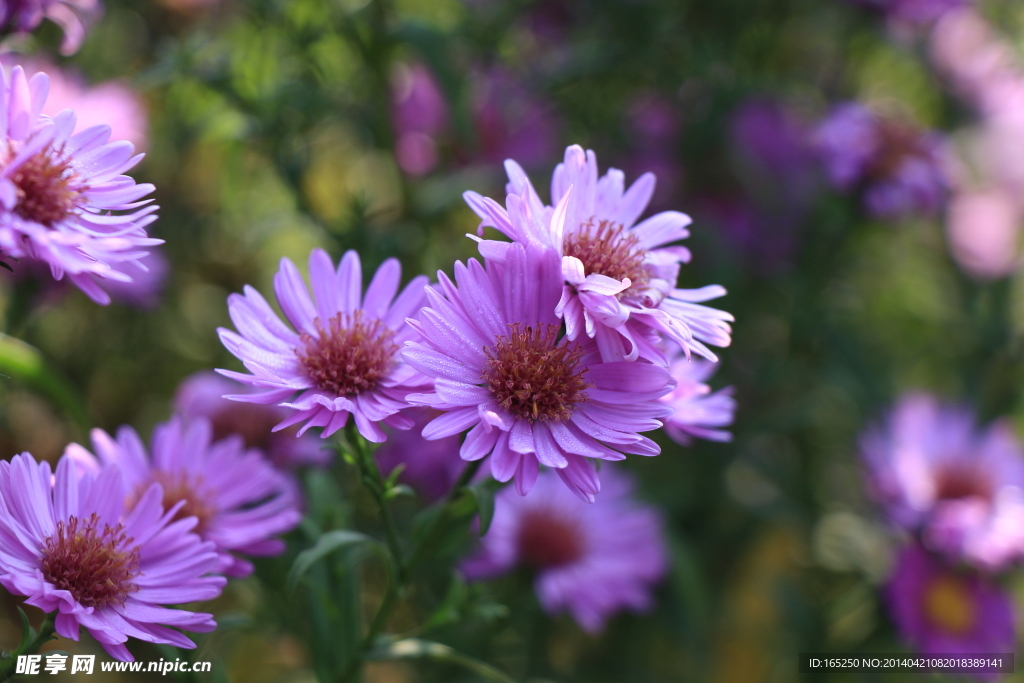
(590,560)
(962,488)
(914,11)
(344,357)
(619,277)
(528,395)
(63,200)
(68,543)
(431,468)
(73,16)
(698,412)
(941,610)
(899,169)
(202,396)
(239,500)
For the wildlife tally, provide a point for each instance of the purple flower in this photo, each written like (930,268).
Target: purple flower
(619,278)
(941,610)
(63,199)
(698,412)
(962,488)
(527,394)
(69,544)
(202,396)
(344,357)
(589,560)
(240,502)
(899,169)
(419,113)
(73,16)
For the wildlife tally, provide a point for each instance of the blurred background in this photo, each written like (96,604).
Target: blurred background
(275,126)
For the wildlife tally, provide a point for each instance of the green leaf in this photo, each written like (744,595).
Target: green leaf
(416,648)
(451,604)
(325,545)
(27,633)
(400,490)
(483,494)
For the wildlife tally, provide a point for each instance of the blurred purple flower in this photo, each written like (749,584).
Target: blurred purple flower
(68,543)
(698,412)
(342,358)
(766,239)
(431,468)
(899,169)
(73,16)
(419,113)
(510,120)
(942,610)
(149,275)
(654,126)
(63,199)
(526,393)
(239,501)
(202,396)
(590,560)
(914,11)
(962,488)
(619,276)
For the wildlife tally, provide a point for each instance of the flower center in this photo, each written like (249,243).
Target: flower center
(178,486)
(96,567)
(545,541)
(949,606)
(897,143)
(350,356)
(531,377)
(957,483)
(606,248)
(48,189)
(251,421)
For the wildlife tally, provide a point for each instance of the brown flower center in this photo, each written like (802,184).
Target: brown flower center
(606,248)
(179,486)
(96,567)
(897,142)
(531,377)
(350,356)
(545,541)
(956,483)
(949,605)
(48,189)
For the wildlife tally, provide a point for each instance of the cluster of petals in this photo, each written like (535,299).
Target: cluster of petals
(618,276)
(942,609)
(589,560)
(899,170)
(240,501)
(69,544)
(698,411)
(592,408)
(959,487)
(64,200)
(346,337)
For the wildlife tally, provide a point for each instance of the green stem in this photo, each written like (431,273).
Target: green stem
(45,634)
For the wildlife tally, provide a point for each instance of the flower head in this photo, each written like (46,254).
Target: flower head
(899,168)
(698,412)
(63,200)
(962,488)
(529,395)
(342,357)
(69,544)
(589,560)
(941,610)
(915,11)
(202,396)
(619,276)
(238,500)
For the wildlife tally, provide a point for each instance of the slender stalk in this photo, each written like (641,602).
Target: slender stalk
(45,634)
